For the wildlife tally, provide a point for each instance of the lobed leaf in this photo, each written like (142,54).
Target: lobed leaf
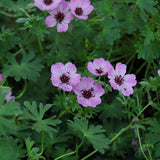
(94,134)
(28,68)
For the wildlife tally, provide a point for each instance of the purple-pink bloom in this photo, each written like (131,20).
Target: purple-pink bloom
(81,8)
(121,82)
(158,72)
(1,78)
(64,76)
(60,16)
(9,97)
(88,92)
(99,67)
(46,4)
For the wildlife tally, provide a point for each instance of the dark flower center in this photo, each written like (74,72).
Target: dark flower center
(79,11)
(119,80)
(59,17)
(99,71)
(64,78)
(5,101)
(87,93)
(48,2)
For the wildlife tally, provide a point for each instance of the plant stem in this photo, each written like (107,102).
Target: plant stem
(19,51)
(121,131)
(40,46)
(149,153)
(139,139)
(67,154)
(147,70)
(89,155)
(42,143)
(70,153)
(24,89)
(140,68)
(7,14)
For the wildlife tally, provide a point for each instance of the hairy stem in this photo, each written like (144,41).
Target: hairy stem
(70,153)
(121,131)
(23,91)
(7,14)
(139,139)
(42,143)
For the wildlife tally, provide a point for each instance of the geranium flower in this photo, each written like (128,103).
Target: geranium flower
(121,82)
(99,67)
(1,78)
(61,15)
(9,97)
(88,92)
(81,8)
(64,76)
(158,72)
(46,4)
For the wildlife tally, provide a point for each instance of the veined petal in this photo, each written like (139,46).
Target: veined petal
(62,27)
(50,21)
(120,69)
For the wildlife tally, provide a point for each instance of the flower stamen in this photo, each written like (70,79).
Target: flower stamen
(48,2)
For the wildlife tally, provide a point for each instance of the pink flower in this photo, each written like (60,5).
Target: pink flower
(120,81)
(81,8)
(158,72)
(64,76)
(9,97)
(61,15)
(88,92)
(46,4)
(1,78)
(99,67)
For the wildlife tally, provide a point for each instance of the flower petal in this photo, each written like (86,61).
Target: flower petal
(120,69)
(50,21)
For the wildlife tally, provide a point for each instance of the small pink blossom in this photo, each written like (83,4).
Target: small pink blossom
(158,72)
(88,92)
(60,16)
(64,76)
(81,8)
(121,82)
(9,97)
(99,67)
(1,78)
(46,4)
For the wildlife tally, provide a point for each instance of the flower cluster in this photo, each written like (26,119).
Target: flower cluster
(62,12)
(88,92)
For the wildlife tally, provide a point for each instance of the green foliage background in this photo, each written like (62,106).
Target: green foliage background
(126,31)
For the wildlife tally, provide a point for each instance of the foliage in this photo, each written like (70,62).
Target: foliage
(10,149)
(44,122)
(36,114)
(94,134)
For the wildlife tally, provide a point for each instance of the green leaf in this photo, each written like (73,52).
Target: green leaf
(7,112)
(36,114)
(148,52)
(106,7)
(146,6)
(10,149)
(94,134)
(32,152)
(28,68)
(154,136)
(152,84)
(110,31)
(148,33)
(14,5)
